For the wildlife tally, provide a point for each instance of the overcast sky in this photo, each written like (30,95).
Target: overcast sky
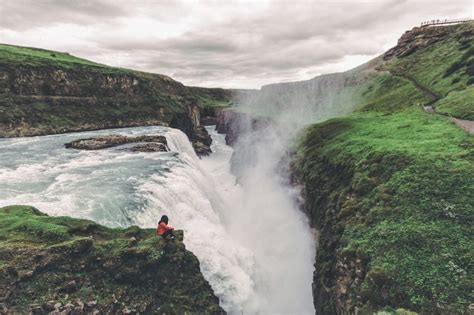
(222,43)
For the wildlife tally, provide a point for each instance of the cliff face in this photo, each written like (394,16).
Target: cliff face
(387,187)
(44,92)
(49,99)
(233,124)
(68,265)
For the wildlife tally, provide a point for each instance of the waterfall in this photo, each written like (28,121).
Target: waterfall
(254,246)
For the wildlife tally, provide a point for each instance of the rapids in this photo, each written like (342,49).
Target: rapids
(254,246)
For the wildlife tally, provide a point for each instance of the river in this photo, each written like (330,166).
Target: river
(254,245)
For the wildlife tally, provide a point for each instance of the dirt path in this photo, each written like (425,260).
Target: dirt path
(467,125)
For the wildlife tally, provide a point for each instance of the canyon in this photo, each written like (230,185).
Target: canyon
(343,175)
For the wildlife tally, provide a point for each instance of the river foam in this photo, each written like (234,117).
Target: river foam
(253,245)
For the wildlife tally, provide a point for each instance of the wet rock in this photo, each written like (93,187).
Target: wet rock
(201,149)
(234,124)
(209,120)
(150,147)
(103,142)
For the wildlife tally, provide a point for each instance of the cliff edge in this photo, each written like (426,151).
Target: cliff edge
(389,187)
(46,92)
(60,264)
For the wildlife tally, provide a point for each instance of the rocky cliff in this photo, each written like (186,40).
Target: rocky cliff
(387,187)
(45,92)
(72,266)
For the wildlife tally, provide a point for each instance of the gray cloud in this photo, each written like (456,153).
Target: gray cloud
(231,44)
(22,14)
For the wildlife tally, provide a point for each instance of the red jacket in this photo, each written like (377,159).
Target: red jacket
(162,228)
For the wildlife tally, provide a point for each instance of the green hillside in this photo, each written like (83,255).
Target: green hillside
(390,188)
(36,56)
(49,263)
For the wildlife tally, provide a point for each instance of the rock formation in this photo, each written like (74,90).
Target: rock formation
(59,264)
(157,143)
(45,92)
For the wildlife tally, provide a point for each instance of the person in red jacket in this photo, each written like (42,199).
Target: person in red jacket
(163,229)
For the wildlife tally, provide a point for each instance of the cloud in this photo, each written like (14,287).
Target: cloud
(215,43)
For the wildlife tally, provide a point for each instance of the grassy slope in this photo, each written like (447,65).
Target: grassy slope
(91,96)
(29,56)
(391,186)
(212,98)
(446,68)
(106,264)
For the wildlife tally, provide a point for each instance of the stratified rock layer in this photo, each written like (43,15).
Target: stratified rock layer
(46,92)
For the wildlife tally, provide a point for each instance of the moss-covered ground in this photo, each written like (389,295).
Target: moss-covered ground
(48,260)
(391,190)
(30,56)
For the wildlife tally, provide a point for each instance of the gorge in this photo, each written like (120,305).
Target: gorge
(334,195)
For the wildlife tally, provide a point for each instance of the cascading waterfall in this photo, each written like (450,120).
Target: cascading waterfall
(253,244)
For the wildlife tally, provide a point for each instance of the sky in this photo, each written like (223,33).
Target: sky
(222,43)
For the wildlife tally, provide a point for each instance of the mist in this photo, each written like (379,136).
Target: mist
(268,221)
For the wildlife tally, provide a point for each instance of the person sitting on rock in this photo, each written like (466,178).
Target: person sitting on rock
(163,229)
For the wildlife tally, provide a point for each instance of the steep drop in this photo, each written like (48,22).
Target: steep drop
(253,245)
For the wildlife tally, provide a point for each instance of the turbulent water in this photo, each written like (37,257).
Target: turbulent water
(254,245)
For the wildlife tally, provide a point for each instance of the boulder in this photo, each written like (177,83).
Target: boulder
(155,143)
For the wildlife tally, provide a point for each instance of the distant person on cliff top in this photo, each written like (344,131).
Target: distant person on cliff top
(163,229)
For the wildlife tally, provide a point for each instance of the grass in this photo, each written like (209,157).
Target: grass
(458,104)
(446,68)
(29,56)
(27,225)
(43,254)
(209,98)
(389,188)
(386,93)
(400,188)
(59,93)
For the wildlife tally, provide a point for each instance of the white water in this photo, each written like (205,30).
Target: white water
(253,244)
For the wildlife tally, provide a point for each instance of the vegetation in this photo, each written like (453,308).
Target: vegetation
(49,260)
(400,190)
(208,98)
(390,189)
(445,68)
(46,92)
(458,104)
(29,56)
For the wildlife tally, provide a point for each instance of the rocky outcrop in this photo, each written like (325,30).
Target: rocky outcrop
(41,96)
(190,124)
(418,38)
(233,124)
(150,147)
(157,143)
(70,266)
